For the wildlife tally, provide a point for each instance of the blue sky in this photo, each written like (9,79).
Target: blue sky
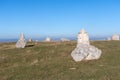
(38,18)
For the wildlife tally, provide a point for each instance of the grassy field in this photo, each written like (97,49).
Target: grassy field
(53,61)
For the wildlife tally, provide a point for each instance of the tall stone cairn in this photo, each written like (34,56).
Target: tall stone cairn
(21,42)
(85,51)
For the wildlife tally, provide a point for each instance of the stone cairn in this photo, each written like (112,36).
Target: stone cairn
(30,40)
(21,42)
(115,37)
(85,51)
(48,39)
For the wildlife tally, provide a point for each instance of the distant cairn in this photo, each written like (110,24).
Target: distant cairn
(48,39)
(30,40)
(115,37)
(64,39)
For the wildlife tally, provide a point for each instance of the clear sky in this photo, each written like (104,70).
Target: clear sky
(37,18)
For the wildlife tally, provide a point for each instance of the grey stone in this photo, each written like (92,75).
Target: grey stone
(64,39)
(21,42)
(115,37)
(48,39)
(85,52)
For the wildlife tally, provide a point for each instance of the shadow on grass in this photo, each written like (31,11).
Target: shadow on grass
(29,45)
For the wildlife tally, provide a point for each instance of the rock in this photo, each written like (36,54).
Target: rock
(47,39)
(109,38)
(30,40)
(64,39)
(85,51)
(115,37)
(83,37)
(21,42)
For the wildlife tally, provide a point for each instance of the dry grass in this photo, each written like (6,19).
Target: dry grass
(52,61)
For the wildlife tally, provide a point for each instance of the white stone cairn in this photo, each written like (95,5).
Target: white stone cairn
(30,40)
(85,51)
(21,42)
(82,38)
(47,39)
(115,37)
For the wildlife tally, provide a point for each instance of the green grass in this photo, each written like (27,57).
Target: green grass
(53,61)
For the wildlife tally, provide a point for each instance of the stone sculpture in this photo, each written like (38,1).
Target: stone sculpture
(115,37)
(30,40)
(47,39)
(21,42)
(85,51)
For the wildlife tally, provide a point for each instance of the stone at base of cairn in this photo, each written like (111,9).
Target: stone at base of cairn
(20,44)
(85,52)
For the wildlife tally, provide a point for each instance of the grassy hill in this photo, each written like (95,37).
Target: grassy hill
(53,61)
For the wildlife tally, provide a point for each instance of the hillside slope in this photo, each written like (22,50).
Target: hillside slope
(53,61)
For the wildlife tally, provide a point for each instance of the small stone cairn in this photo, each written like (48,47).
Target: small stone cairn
(48,39)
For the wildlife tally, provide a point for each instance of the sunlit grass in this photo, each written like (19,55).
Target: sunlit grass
(52,61)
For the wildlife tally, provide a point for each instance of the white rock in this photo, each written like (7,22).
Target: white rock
(115,37)
(21,42)
(64,39)
(109,38)
(30,40)
(85,51)
(83,37)
(47,39)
